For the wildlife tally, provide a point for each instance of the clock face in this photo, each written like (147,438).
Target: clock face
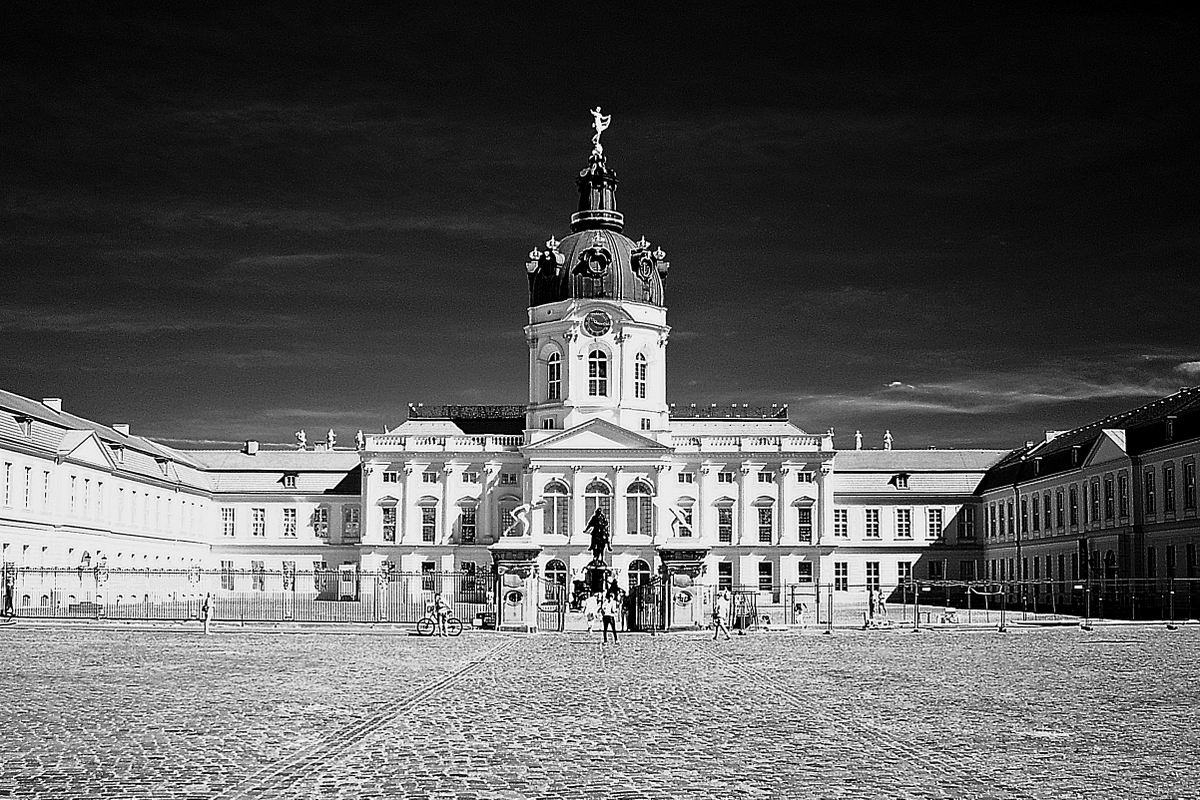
(597,323)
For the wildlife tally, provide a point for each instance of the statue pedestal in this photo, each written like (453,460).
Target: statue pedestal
(686,604)
(516,593)
(597,576)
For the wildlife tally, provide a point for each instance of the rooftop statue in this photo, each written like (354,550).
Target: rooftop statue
(600,123)
(301,440)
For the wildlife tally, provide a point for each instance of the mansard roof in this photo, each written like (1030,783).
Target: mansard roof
(472,420)
(895,461)
(1144,426)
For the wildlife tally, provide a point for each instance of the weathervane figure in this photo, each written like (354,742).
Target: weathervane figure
(601,124)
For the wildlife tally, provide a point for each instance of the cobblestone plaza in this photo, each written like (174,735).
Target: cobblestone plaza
(1045,714)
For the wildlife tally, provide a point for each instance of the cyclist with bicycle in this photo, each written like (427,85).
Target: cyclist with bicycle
(441,612)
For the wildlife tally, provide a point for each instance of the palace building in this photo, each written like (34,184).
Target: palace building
(700,495)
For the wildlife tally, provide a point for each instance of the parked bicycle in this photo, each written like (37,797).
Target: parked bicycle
(427,625)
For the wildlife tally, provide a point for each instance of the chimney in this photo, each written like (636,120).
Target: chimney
(251,448)
(1029,443)
(121,428)
(53,403)
(1051,435)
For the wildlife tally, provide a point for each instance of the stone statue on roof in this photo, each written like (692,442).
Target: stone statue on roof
(330,439)
(887,440)
(858,440)
(600,123)
(360,441)
(301,440)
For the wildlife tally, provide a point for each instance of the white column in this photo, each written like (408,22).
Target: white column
(619,524)
(699,512)
(743,504)
(405,502)
(444,521)
(576,520)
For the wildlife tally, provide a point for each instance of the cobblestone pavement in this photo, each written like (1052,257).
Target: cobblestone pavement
(1035,714)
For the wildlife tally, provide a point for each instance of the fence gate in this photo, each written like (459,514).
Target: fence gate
(552,605)
(647,605)
(745,607)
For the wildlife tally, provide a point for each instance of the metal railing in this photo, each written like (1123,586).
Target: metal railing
(242,595)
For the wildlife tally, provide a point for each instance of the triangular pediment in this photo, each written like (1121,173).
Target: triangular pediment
(1109,447)
(86,447)
(597,434)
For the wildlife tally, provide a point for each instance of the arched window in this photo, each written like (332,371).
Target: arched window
(597,374)
(639,377)
(597,495)
(554,377)
(639,508)
(639,573)
(556,580)
(556,513)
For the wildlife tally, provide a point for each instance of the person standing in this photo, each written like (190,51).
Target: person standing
(206,611)
(441,613)
(610,607)
(591,609)
(720,615)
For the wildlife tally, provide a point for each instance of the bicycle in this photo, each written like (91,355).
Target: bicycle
(427,625)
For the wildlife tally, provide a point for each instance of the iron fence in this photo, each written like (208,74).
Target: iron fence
(338,595)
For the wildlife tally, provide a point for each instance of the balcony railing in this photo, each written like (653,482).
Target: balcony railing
(755,444)
(483,444)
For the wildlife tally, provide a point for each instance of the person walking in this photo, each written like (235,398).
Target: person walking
(591,610)
(720,615)
(610,607)
(206,611)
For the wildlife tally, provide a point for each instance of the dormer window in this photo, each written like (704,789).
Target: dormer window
(900,481)
(26,426)
(164,465)
(118,452)
(289,480)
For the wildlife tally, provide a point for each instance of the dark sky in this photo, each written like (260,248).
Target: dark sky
(963,226)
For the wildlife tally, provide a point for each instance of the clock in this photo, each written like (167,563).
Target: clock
(597,323)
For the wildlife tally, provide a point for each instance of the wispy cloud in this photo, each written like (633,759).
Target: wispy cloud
(35,319)
(1191,368)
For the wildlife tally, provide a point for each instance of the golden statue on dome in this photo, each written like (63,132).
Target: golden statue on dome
(600,123)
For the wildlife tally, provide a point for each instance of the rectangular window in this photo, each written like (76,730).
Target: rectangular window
(724,575)
(428,576)
(1024,515)
(639,379)
(1190,552)
(937,570)
(258,576)
(428,524)
(1123,494)
(548,423)
(73,494)
(1060,510)
(350,523)
(1110,498)
(1169,490)
(227,521)
(966,570)
(871,523)
(841,523)
(934,523)
(1012,529)
(258,522)
(391,477)
(1170,561)
(805,572)
(873,575)
(320,523)
(805,529)
(428,477)
(903,572)
(1047,512)
(766,477)
(389,523)
(28,484)
(1073,493)
(7,484)
(724,477)
(903,523)
(841,576)
(805,476)
(968,520)
(1085,503)
(227,576)
(725,525)
(1151,562)
(645,423)
(1095,501)
(1151,497)
(508,479)
(470,477)
(1037,569)
(766,576)
(1189,486)
(289,523)
(45,490)
(466,525)
(766,527)
(1036,516)
(687,477)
